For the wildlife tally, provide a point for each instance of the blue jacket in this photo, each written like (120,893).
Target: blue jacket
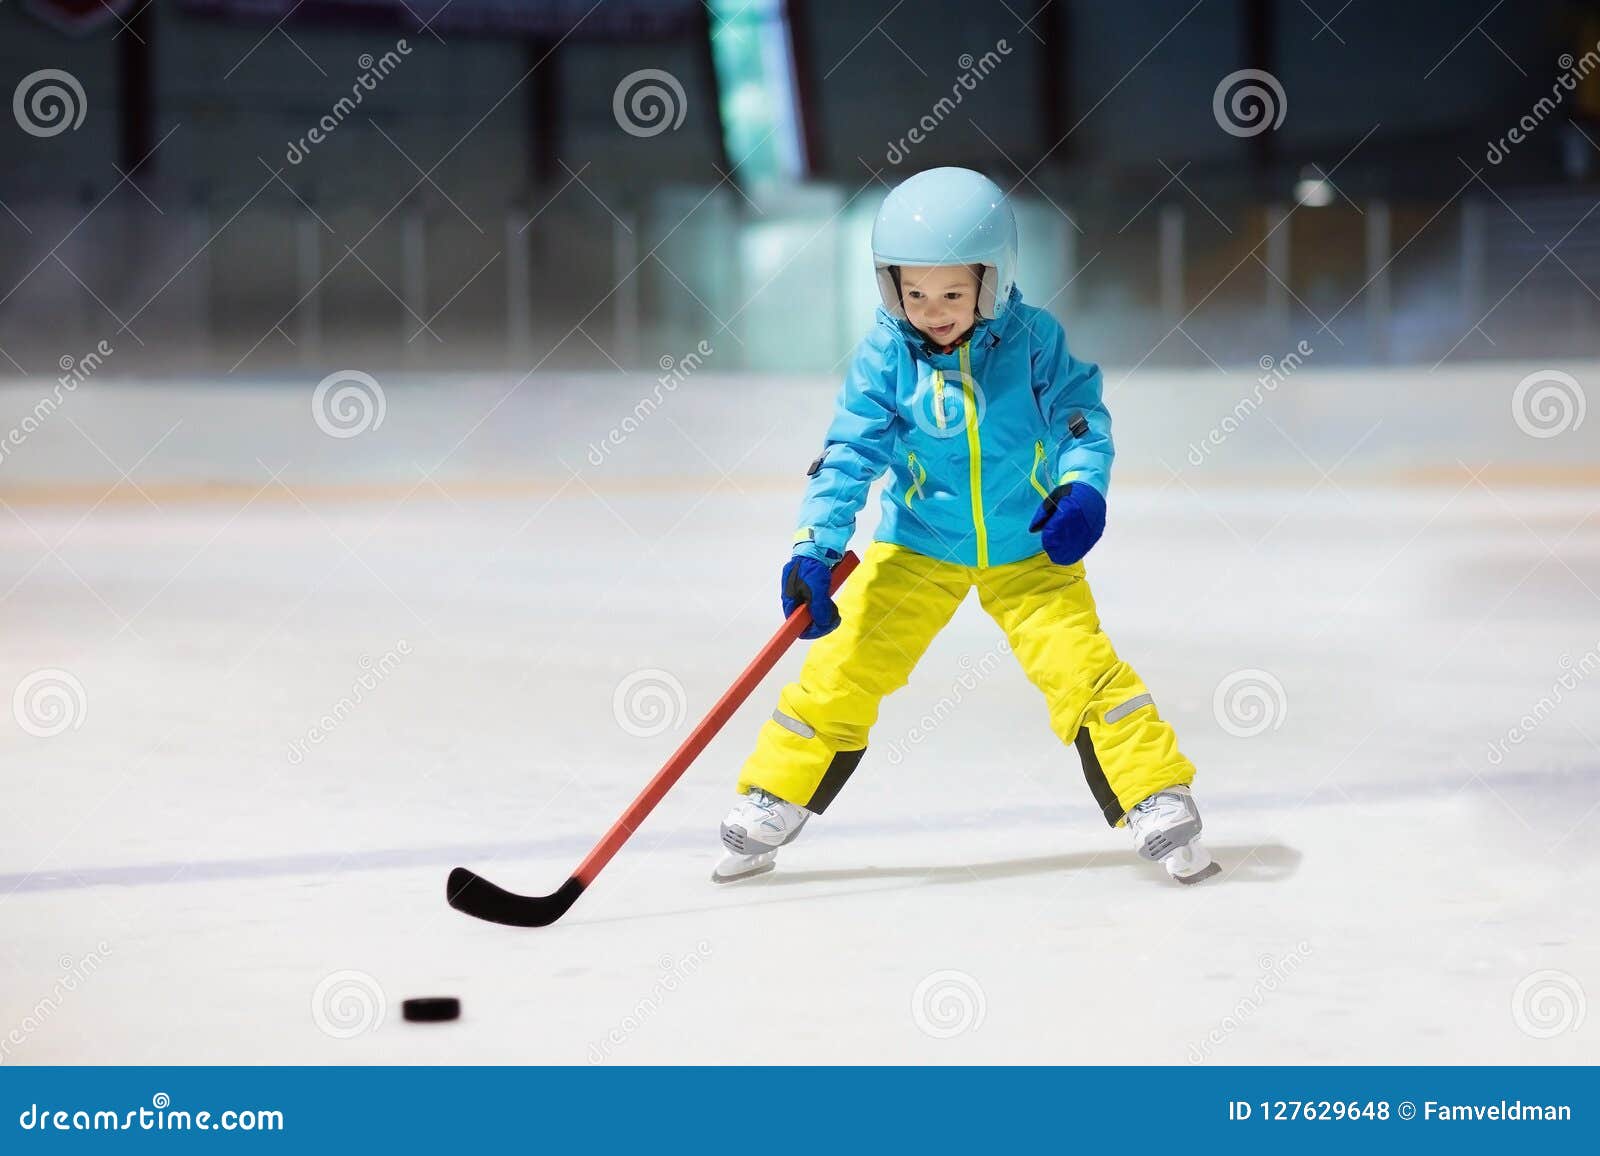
(972,439)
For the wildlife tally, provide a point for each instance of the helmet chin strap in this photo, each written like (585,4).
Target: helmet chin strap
(986,287)
(889,290)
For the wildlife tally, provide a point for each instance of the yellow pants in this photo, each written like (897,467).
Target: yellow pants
(891,608)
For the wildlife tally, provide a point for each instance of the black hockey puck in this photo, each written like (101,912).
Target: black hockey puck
(431,1009)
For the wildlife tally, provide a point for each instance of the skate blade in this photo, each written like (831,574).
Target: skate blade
(1206,872)
(750,873)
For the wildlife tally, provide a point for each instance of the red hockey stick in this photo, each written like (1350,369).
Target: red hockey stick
(476,896)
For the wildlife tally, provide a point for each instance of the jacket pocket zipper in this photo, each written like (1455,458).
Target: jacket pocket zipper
(1033,474)
(918,476)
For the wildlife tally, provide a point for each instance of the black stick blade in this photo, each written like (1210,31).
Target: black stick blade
(472,894)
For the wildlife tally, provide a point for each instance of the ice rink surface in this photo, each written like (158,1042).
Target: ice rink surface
(308,675)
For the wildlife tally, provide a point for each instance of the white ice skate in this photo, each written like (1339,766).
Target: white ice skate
(1166,827)
(757,826)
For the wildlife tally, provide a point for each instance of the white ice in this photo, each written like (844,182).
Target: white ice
(1417,573)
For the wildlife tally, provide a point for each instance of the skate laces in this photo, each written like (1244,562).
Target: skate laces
(767,803)
(1158,805)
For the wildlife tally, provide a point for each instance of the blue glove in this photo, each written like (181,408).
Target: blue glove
(806,580)
(1073,517)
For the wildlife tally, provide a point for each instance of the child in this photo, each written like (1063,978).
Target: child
(999,452)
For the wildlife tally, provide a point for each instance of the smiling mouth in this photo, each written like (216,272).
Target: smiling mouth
(941,330)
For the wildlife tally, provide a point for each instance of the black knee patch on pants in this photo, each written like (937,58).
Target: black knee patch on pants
(1099,786)
(834,779)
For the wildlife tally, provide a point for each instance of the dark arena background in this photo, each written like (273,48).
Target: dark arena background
(404,410)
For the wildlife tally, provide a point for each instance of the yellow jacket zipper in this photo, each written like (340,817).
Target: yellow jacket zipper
(974,454)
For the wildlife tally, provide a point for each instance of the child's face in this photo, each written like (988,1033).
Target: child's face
(940,300)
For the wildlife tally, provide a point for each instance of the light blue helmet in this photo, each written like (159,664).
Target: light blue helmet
(947,217)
